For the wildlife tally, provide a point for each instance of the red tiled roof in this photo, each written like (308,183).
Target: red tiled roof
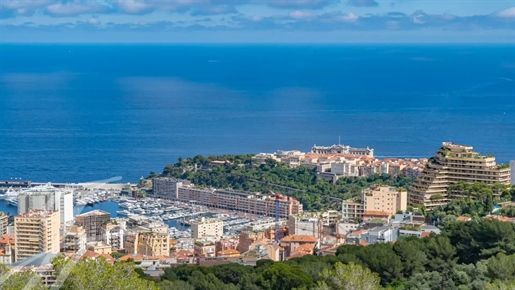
(463,218)
(7,239)
(363,243)
(228,252)
(425,234)
(300,238)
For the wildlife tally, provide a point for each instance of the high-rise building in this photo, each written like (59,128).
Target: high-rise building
(4,222)
(305,224)
(166,188)
(376,199)
(36,231)
(210,227)
(92,222)
(451,164)
(47,197)
(113,234)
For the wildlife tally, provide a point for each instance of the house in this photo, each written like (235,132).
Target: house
(291,243)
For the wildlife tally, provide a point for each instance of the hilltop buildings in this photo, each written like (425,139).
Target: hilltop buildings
(451,164)
(36,231)
(342,149)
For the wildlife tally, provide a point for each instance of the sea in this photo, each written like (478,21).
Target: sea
(80,113)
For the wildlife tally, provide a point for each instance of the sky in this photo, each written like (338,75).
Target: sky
(228,21)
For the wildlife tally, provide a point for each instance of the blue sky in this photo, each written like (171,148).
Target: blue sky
(257,21)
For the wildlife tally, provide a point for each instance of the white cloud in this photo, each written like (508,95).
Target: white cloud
(506,13)
(302,14)
(350,17)
(93,21)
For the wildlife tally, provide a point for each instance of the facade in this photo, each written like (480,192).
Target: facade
(92,222)
(113,234)
(4,222)
(148,243)
(47,197)
(203,227)
(248,202)
(166,188)
(342,149)
(380,235)
(377,198)
(304,225)
(36,231)
(99,247)
(75,239)
(204,249)
(454,163)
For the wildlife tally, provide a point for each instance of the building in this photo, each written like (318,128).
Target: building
(203,227)
(451,164)
(113,234)
(253,203)
(36,231)
(342,149)
(92,222)
(385,234)
(306,225)
(7,244)
(4,222)
(203,248)
(48,197)
(417,230)
(99,247)
(75,239)
(376,198)
(291,243)
(166,188)
(147,243)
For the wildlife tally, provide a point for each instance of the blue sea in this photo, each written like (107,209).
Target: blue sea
(74,113)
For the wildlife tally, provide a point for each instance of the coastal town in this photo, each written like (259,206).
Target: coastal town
(216,226)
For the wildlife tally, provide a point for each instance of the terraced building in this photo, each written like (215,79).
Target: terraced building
(451,164)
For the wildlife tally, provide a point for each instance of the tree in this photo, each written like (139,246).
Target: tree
(116,255)
(350,276)
(174,285)
(97,275)
(502,267)
(19,280)
(281,276)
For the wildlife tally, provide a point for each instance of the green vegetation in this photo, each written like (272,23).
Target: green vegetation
(117,255)
(503,166)
(241,173)
(508,211)
(10,280)
(98,275)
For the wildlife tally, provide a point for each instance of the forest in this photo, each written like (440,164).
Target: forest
(240,173)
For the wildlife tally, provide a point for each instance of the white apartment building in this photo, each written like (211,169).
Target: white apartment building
(47,197)
(203,227)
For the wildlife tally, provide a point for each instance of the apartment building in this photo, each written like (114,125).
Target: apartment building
(75,239)
(92,222)
(4,222)
(304,224)
(253,203)
(376,199)
(203,227)
(204,248)
(36,231)
(454,163)
(166,188)
(113,234)
(48,197)
(148,243)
